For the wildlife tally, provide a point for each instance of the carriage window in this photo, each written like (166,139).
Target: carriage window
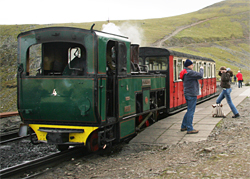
(147,63)
(194,62)
(179,67)
(155,66)
(140,61)
(198,66)
(205,69)
(156,63)
(214,74)
(211,70)
(208,70)
(175,71)
(164,66)
(55,59)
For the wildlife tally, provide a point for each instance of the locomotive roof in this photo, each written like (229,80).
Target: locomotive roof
(52,28)
(98,33)
(148,51)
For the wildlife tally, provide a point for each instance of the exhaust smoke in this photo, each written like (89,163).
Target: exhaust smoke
(133,32)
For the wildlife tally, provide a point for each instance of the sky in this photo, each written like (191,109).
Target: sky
(78,11)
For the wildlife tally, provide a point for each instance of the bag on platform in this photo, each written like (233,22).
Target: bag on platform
(218,110)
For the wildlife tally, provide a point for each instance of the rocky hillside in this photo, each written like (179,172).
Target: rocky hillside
(220,32)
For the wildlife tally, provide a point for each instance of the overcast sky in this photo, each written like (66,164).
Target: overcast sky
(76,11)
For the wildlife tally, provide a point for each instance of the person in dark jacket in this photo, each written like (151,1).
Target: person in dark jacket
(235,80)
(225,84)
(191,91)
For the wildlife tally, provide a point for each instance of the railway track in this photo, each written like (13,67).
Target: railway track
(38,166)
(11,137)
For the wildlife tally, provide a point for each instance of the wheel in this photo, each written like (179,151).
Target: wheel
(62,147)
(92,143)
(33,137)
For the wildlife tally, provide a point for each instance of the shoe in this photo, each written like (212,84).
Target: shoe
(183,129)
(236,115)
(192,132)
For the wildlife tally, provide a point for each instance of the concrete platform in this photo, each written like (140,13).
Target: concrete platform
(167,131)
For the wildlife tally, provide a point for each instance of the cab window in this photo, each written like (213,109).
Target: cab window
(50,59)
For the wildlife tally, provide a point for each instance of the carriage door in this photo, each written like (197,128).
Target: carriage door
(116,66)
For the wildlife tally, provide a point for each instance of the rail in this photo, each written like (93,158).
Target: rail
(9,114)
(19,170)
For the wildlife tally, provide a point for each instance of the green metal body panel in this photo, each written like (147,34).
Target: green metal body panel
(102,84)
(65,99)
(128,87)
(127,128)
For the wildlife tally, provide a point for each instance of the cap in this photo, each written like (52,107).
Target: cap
(188,63)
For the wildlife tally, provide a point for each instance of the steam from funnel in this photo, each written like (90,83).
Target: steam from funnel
(133,32)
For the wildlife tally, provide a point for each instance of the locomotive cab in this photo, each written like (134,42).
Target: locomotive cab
(55,84)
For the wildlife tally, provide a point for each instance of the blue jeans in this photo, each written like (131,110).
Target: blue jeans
(226,94)
(187,121)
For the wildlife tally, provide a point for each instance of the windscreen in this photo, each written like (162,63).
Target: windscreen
(57,58)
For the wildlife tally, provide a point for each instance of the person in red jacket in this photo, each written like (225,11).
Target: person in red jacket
(240,79)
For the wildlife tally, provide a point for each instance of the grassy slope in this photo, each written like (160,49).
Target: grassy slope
(224,39)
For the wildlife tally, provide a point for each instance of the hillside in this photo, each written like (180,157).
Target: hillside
(220,32)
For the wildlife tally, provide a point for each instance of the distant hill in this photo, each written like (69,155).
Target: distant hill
(220,31)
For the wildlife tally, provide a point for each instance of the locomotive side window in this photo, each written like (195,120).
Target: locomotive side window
(122,59)
(111,57)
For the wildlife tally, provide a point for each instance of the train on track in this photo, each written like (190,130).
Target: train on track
(91,88)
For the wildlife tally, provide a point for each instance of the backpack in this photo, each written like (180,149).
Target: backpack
(218,111)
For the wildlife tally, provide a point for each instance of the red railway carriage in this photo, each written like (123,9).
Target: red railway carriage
(170,63)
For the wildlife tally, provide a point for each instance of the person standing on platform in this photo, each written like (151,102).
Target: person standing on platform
(225,84)
(235,80)
(240,79)
(191,91)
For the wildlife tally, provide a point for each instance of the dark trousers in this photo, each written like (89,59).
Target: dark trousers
(240,83)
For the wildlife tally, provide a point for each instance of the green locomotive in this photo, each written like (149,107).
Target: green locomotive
(84,87)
